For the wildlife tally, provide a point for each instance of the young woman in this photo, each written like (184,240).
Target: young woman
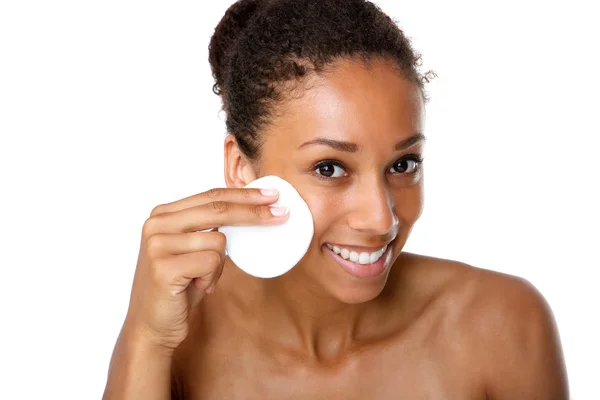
(325,94)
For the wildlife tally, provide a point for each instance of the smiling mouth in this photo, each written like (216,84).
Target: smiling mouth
(362,257)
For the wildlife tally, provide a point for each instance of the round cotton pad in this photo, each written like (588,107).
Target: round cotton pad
(267,251)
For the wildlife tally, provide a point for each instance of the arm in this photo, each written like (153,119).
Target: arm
(138,369)
(526,361)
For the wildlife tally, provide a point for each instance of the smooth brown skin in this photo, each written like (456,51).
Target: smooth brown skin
(427,328)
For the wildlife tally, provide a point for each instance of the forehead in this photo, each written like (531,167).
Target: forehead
(354,103)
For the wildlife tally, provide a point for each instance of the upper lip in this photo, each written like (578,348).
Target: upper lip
(359,249)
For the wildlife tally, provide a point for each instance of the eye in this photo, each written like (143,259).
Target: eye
(410,164)
(329,169)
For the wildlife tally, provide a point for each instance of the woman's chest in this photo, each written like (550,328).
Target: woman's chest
(389,373)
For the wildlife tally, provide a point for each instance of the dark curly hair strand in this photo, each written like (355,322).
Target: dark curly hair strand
(264,50)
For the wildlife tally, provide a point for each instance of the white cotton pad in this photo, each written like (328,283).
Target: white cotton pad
(267,251)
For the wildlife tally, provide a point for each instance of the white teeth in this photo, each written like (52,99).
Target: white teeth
(364,258)
(374,257)
(383,250)
(360,258)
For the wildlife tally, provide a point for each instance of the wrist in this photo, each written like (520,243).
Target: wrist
(139,368)
(141,340)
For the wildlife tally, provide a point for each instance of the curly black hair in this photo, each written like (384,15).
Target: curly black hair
(264,50)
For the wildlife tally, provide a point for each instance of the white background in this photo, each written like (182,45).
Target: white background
(106,110)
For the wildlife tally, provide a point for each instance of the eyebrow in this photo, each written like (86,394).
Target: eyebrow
(350,147)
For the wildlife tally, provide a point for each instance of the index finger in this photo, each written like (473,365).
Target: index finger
(252,196)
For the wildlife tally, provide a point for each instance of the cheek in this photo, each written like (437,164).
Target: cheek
(409,203)
(320,207)
(324,208)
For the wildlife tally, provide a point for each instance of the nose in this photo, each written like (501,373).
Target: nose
(372,209)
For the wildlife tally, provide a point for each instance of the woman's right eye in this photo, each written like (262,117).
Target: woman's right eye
(330,170)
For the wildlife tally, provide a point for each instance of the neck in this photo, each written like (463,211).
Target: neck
(297,313)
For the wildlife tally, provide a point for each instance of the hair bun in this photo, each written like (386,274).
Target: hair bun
(227,31)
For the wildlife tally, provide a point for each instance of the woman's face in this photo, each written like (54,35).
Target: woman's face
(349,145)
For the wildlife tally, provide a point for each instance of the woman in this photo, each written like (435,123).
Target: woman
(326,95)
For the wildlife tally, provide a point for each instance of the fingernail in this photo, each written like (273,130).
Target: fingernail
(279,211)
(268,192)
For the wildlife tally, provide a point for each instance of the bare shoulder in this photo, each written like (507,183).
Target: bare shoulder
(504,324)
(482,297)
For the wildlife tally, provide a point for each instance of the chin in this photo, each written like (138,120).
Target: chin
(358,294)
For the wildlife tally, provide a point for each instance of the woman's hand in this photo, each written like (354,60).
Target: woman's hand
(177,264)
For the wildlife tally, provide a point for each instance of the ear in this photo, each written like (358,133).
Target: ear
(238,170)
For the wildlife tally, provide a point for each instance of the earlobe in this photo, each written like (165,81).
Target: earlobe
(238,170)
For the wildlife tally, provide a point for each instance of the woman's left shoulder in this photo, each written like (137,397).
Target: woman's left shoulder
(510,331)
(477,293)
(499,302)
(496,325)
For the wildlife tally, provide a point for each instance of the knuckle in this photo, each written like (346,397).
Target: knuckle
(262,211)
(159,209)
(216,239)
(221,240)
(214,258)
(246,193)
(214,193)
(219,207)
(154,244)
(149,227)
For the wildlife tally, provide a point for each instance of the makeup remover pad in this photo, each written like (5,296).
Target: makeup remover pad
(267,251)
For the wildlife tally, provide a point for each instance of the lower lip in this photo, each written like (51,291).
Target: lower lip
(361,270)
